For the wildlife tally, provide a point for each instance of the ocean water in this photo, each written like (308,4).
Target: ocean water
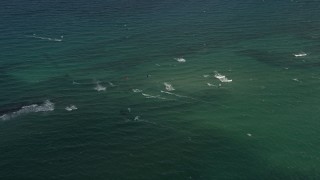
(130,90)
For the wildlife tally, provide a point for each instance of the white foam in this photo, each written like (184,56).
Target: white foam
(68,108)
(168,86)
(74,82)
(111,84)
(209,84)
(166,92)
(221,77)
(99,87)
(302,54)
(137,118)
(151,96)
(5,117)
(205,75)
(296,79)
(136,90)
(71,108)
(46,106)
(180,60)
(129,110)
(47,38)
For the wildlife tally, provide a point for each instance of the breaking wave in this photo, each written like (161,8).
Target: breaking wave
(71,108)
(168,86)
(47,38)
(99,87)
(111,84)
(302,54)
(209,84)
(174,94)
(180,60)
(74,82)
(46,106)
(151,96)
(136,90)
(138,119)
(221,77)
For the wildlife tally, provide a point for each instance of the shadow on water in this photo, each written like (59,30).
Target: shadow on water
(17,93)
(135,150)
(278,59)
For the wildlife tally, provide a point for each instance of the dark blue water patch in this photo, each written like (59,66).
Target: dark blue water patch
(126,151)
(277,59)
(17,94)
(13,107)
(44,15)
(12,90)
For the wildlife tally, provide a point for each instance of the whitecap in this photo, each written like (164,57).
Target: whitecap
(111,84)
(296,79)
(302,54)
(59,40)
(5,117)
(137,118)
(168,86)
(46,106)
(221,77)
(99,87)
(205,75)
(209,84)
(74,82)
(68,108)
(47,38)
(151,96)
(71,108)
(181,60)
(136,90)
(166,92)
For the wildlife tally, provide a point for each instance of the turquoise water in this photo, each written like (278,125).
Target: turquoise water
(111,59)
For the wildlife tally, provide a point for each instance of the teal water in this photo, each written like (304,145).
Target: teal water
(262,125)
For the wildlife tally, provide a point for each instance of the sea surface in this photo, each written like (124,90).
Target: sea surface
(160,89)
